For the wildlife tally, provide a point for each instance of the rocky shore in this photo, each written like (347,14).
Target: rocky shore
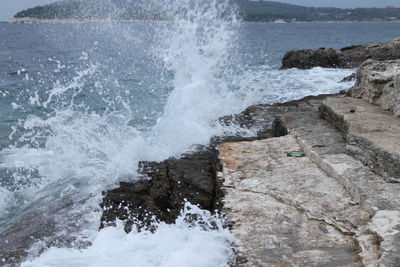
(347,57)
(338,204)
(319,184)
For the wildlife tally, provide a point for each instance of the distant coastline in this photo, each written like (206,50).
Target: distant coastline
(78,21)
(80,11)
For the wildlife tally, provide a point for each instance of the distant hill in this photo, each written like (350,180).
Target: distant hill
(258,11)
(270,11)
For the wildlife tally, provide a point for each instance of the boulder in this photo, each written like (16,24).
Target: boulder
(347,57)
(307,59)
(378,82)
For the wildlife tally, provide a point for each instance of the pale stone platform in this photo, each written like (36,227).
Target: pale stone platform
(327,208)
(372,134)
(286,211)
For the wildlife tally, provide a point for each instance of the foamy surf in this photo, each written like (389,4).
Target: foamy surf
(200,243)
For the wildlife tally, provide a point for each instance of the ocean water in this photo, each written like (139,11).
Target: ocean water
(81,104)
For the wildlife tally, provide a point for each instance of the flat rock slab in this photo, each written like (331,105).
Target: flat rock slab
(283,209)
(373,135)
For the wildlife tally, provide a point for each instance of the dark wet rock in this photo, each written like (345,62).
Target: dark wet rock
(348,57)
(38,226)
(166,187)
(307,59)
(349,78)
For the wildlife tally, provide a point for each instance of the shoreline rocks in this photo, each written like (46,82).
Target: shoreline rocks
(378,82)
(329,207)
(338,205)
(166,185)
(347,57)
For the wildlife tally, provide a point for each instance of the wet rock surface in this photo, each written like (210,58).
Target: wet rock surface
(38,227)
(349,78)
(307,59)
(347,57)
(378,82)
(164,189)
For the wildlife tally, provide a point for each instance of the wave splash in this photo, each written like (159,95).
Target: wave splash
(85,136)
(183,244)
(65,157)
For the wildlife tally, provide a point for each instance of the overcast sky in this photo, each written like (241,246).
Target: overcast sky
(9,7)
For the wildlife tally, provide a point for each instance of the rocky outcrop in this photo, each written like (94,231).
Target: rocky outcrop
(164,188)
(307,59)
(348,57)
(378,82)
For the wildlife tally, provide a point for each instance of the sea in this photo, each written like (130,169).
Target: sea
(82,103)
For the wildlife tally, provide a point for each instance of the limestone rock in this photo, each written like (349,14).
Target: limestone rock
(372,134)
(368,194)
(285,211)
(378,82)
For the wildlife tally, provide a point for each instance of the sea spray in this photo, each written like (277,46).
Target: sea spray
(77,151)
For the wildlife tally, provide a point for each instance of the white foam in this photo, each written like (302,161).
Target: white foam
(180,244)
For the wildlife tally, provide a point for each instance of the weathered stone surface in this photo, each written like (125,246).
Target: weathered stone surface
(372,134)
(381,200)
(286,211)
(272,120)
(378,82)
(168,185)
(385,227)
(348,57)
(369,193)
(366,188)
